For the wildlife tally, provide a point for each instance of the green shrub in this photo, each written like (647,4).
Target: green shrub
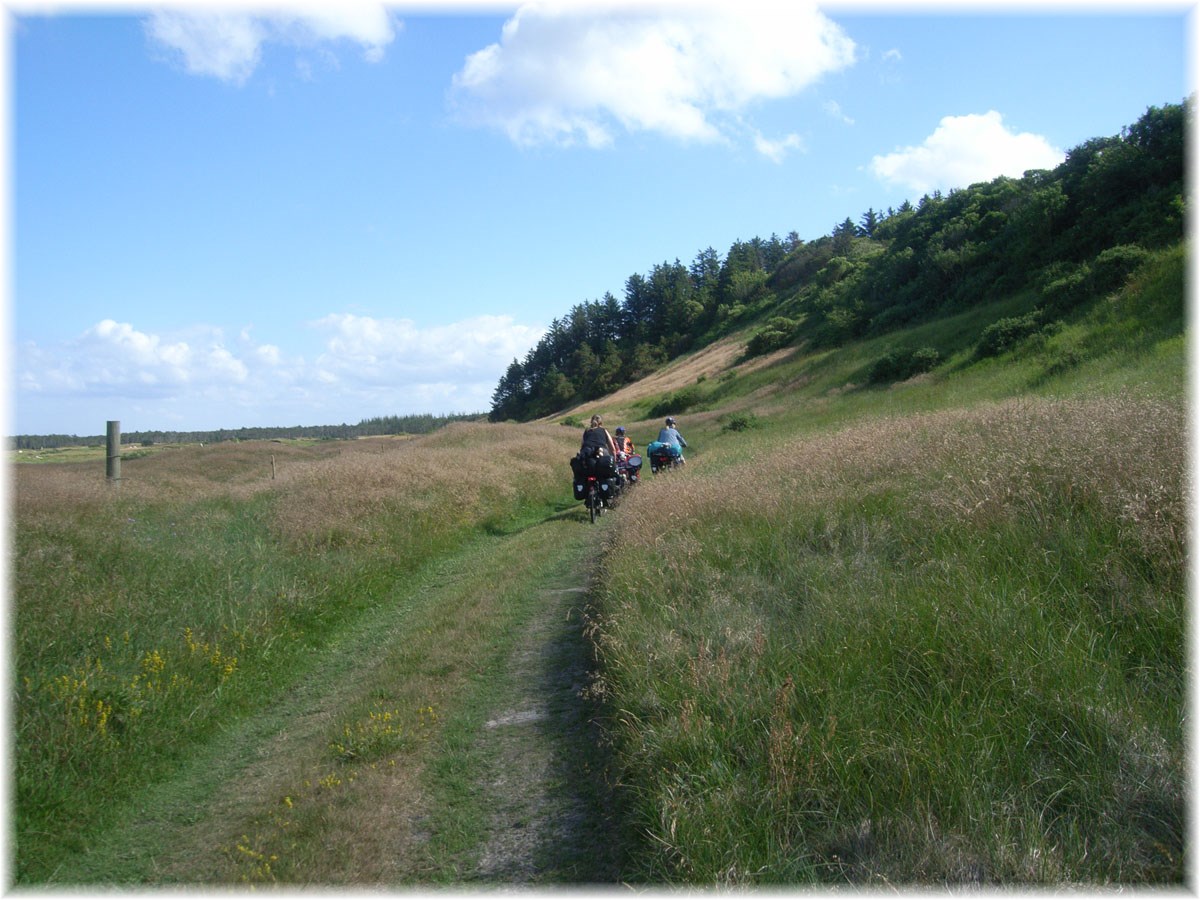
(898,365)
(1113,266)
(1069,291)
(680,401)
(779,333)
(1004,334)
(741,422)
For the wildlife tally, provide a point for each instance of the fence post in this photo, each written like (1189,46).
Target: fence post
(113,468)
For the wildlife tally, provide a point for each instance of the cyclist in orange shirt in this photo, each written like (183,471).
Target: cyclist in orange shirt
(624,444)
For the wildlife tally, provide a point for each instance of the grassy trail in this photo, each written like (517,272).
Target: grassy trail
(480,657)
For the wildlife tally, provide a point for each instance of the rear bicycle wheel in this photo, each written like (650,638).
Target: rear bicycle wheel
(592,501)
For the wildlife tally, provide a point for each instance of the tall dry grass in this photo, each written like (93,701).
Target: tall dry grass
(1126,453)
(939,648)
(417,492)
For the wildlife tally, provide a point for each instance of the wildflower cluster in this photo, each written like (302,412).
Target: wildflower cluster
(99,699)
(222,663)
(85,711)
(379,734)
(255,863)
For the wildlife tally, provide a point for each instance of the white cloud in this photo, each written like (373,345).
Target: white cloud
(227,44)
(835,110)
(964,150)
(269,354)
(777,150)
(364,349)
(198,380)
(562,76)
(114,355)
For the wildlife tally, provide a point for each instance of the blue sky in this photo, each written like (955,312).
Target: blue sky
(312,217)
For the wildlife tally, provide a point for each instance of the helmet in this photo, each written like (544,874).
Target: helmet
(620,429)
(670,420)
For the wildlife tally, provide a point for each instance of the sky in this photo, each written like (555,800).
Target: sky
(307,214)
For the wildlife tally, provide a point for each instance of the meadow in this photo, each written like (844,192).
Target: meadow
(922,633)
(153,614)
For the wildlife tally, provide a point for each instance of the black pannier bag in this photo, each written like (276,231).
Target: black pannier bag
(601,466)
(578,479)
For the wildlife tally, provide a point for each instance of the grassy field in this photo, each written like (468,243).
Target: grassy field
(930,632)
(153,615)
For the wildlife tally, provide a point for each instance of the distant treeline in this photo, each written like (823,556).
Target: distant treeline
(380,425)
(1068,233)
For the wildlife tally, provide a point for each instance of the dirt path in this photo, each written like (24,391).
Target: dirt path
(545,761)
(491,639)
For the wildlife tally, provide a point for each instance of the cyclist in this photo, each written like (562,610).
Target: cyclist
(625,453)
(596,438)
(669,434)
(624,444)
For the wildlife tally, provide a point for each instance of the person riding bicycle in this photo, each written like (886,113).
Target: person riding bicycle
(623,443)
(597,457)
(669,434)
(627,460)
(596,438)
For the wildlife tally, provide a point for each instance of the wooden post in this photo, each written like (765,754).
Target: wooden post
(113,468)
(272,466)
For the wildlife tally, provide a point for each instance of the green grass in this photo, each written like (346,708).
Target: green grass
(909,665)
(151,614)
(918,634)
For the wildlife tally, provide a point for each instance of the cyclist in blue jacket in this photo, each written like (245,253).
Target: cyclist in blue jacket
(669,434)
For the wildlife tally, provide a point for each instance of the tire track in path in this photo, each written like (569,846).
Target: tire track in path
(549,813)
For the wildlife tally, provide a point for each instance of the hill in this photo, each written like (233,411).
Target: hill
(1059,237)
(913,623)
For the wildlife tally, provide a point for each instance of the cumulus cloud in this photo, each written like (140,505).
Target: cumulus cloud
(365,349)
(111,357)
(562,76)
(964,150)
(200,380)
(777,150)
(227,44)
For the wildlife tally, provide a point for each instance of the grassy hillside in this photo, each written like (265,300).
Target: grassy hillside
(1048,242)
(879,630)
